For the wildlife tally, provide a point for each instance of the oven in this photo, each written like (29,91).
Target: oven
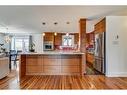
(48,45)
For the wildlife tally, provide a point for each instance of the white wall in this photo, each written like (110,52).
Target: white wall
(38,41)
(116,48)
(89,26)
(1,38)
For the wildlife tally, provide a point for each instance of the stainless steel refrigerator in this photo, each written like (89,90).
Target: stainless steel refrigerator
(99,53)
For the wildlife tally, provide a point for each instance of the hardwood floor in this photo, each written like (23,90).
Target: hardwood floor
(63,82)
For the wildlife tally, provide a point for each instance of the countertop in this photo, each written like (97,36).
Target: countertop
(90,53)
(53,53)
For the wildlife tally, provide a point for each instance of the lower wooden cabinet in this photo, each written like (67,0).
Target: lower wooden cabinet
(90,58)
(51,60)
(70,69)
(34,69)
(34,64)
(51,70)
(53,64)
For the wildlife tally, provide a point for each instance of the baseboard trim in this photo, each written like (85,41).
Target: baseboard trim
(117,74)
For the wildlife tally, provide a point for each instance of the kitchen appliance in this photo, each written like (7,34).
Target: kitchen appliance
(99,63)
(48,45)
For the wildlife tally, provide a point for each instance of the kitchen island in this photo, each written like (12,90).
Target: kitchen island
(52,63)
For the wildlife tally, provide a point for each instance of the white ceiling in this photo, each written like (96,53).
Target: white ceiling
(28,19)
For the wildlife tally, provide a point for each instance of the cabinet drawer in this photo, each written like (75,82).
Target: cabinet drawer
(34,69)
(70,60)
(34,60)
(52,69)
(70,69)
(52,60)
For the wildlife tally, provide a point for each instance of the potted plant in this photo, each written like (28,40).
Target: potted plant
(32,47)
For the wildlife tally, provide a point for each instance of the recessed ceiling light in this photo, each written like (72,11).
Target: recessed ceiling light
(55,23)
(43,23)
(68,22)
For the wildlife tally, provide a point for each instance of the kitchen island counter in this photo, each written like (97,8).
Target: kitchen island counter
(53,53)
(52,63)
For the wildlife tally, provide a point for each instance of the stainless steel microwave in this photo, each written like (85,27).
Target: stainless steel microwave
(48,45)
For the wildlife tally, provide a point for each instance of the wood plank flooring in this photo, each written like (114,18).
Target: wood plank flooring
(63,82)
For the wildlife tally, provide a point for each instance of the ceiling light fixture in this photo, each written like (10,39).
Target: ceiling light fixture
(43,34)
(55,34)
(7,37)
(55,23)
(43,23)
(68,22)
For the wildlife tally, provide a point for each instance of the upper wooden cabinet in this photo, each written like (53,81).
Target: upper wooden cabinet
(100,26)
(90,37)
(57,39)
(49,37)
(76,38)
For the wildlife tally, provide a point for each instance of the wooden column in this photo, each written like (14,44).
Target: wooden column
(82,43)
(82,35)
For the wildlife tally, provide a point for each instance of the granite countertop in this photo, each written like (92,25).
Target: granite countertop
(53,53)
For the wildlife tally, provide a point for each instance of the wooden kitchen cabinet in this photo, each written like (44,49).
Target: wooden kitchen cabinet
(58,39)
(70,69)
(47,64)
(34,60)
(100,26)
(70,60)
(70,64)
(48,37)
(34,64)
(90,58)
(76,38)
(52,60)
(33,69)
(52,64)
(90,37)
(51,70)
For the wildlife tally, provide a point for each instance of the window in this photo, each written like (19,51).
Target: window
(68,40)
(20,43)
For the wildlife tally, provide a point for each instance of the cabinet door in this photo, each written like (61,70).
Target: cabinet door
(52,64)
(34,64)
(33,60)
(49,37)
(70,64)
(52,60)
(33,69)
(52,70)
(68,60)
(70,69)
(58,39)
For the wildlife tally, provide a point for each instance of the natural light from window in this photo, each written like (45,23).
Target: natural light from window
(20,43)
(68,40)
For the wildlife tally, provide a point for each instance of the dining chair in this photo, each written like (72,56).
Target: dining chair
(13,57)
